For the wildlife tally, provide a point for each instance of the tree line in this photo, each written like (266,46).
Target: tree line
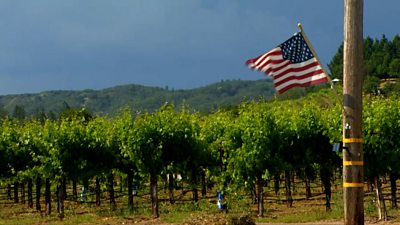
(237,150)
(109,101)
(381,61)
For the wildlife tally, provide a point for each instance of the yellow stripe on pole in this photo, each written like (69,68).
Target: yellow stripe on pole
(352,140)
(353,163)
(353,185)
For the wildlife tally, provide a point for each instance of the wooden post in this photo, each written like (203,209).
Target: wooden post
(353,174)
(154,195)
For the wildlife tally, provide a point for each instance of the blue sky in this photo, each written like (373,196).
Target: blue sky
(94,44)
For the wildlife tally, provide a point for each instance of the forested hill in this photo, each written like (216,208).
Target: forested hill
(381,62)
(137,97)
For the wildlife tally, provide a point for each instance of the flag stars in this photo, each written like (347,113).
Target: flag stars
(293,73)
(295,49)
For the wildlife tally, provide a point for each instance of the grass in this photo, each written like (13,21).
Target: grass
(305,211)
(184,211)
(317,214)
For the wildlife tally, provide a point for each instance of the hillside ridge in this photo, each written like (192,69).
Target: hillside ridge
(110,101)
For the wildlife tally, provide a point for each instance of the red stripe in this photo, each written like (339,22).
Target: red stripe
(314,82)
(263,56)
(272,70)
(271,62)
(251,61)
(302,77)
(261,65)
(299,69)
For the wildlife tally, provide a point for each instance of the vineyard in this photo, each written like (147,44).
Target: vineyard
(142,161)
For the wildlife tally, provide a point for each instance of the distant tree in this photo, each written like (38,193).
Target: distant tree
(336,64)
(40,115)
(381,61)
(3,112)
(19,112)
(394,67)
(371,84)
(79,114)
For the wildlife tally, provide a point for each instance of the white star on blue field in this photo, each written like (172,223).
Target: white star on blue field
(180,44)
(295,49)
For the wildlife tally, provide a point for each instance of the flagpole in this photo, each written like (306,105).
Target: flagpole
(312,49)
(316,57)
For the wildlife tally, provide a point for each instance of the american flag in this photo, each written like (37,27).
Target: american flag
(291,64)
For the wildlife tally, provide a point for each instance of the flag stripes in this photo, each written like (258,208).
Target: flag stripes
(278,64)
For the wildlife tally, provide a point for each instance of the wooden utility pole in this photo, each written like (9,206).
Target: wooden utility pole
(353,162)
